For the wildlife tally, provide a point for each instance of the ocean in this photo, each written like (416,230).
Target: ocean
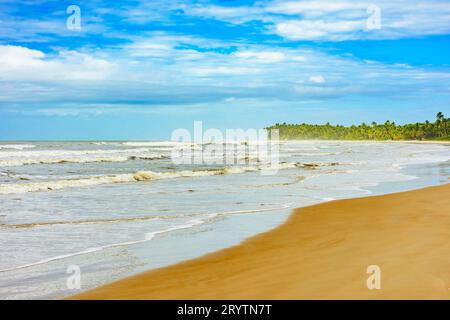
(114,209)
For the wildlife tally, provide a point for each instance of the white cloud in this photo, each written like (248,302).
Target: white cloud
(149,48)
(15,56)
(344,20)
(261,56)
(183,76)
(336,20)
(158,44)
(329,20)
(317,79)
(318,29)
(73,112)
(21,63)
(223,70)
(161,71)
(313,8)
(234,14)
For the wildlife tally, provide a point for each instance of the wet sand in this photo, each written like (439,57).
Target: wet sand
(321,252)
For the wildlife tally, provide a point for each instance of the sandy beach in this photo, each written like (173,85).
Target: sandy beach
(321,252)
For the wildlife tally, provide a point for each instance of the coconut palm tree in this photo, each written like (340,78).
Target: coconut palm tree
(439,123)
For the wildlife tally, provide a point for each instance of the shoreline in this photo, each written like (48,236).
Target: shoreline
(120,141)
(320,252)
(440,142)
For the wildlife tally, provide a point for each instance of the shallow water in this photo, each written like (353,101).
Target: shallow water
(115,209)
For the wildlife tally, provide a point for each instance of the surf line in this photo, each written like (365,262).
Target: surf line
(148,237)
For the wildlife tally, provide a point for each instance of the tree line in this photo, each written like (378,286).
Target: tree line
(437,130)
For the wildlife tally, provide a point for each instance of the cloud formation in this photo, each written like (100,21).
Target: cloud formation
(158,71)
(19,63)
(328,20)
(140,56)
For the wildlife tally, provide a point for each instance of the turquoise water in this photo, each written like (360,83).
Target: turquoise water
(118,208)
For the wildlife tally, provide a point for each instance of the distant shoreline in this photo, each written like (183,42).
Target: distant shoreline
(438,130)
(444,142)
(152,140)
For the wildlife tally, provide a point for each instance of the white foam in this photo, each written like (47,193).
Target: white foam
(17,146)
(8,159)
(102,143)
(148,237)
(59,153)
(30,161)
(155,144)
(64,256)
(14,188)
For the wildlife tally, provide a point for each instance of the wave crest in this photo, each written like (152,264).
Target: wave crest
(139,176)
(17,146)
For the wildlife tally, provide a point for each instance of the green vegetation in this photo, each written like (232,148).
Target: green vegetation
(438,130)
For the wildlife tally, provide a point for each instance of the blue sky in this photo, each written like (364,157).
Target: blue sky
(140,69)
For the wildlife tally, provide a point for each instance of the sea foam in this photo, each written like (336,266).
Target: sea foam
(139,176)
(15,158)
(17,146)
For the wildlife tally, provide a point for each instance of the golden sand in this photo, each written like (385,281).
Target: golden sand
(321,252)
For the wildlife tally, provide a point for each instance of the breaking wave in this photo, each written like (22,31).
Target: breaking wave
(15,188)
(8,159)
(59,153)
(155,144)
(17,146)
(20,162)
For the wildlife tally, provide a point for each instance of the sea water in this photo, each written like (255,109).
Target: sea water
(113,209)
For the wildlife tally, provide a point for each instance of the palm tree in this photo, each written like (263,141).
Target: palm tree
(387,131)
(439,122)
